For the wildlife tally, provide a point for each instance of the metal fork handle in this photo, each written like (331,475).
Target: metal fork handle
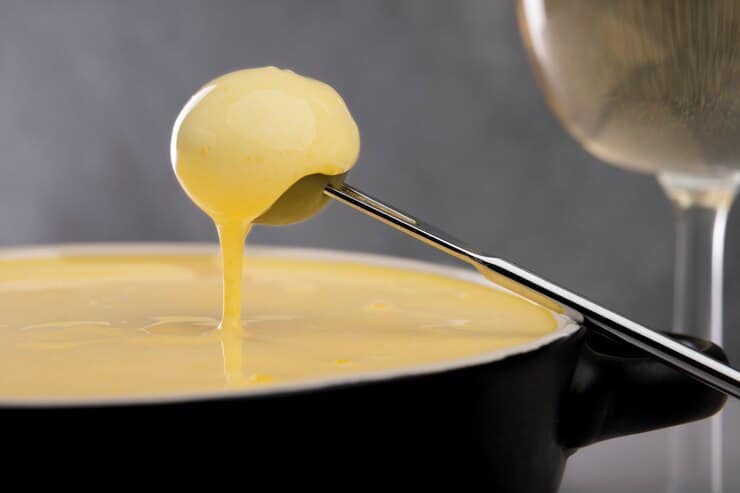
(714,373)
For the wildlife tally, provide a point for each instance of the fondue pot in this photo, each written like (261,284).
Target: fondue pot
(503,422)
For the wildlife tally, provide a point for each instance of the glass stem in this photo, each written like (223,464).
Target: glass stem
(701,205)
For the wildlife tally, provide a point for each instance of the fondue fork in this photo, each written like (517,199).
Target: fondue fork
(714,373)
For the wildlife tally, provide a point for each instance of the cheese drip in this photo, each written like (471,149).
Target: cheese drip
(242,141)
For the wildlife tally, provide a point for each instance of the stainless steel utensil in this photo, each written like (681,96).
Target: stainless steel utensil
(707,370)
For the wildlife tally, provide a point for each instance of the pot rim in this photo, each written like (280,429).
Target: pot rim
(567,326)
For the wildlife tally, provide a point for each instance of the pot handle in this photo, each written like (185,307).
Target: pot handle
(617,390)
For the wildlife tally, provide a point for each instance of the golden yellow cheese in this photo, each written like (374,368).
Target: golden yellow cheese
(241,142)
(122,324)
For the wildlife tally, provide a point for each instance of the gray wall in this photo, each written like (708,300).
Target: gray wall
(453,127)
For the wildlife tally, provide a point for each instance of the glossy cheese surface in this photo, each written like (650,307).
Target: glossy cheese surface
(243,140)
(132,325)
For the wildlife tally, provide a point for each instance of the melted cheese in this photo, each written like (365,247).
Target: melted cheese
(77,326)
(243,140)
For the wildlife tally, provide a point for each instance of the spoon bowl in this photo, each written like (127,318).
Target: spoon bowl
(304,199)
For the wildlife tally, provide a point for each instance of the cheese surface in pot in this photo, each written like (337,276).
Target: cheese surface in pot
(78,325)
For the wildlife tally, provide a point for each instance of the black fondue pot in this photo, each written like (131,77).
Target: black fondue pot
(507,425)
(500,425)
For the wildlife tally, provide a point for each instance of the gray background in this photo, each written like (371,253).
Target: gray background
(453,127)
